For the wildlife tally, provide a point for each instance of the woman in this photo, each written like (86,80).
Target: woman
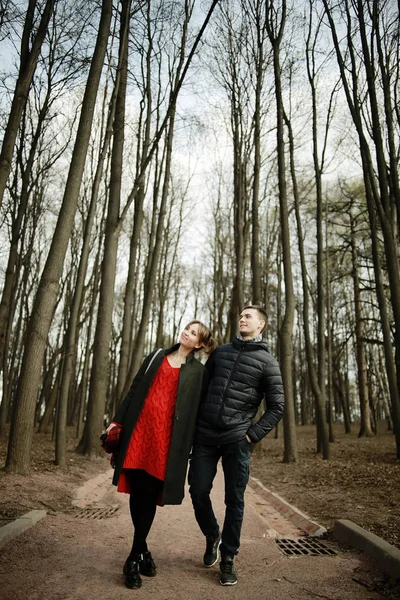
(158,418)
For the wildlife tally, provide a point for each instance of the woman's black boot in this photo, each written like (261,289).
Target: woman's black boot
(132,576)
(147,566)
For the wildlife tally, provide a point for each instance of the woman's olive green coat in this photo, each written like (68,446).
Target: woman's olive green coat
(191,386)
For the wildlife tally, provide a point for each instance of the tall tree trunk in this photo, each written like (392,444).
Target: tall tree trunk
(87,356)
(71,336)
(43,309)
(130,290)
(45,421)
(275,33)
(312,372)
(5,401)
(330,403)
(240,202)
(101,346)
(365,421)
(341,388)
(321,349)
(69,359)
(255,240)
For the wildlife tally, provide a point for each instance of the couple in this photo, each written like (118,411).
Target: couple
(175,405)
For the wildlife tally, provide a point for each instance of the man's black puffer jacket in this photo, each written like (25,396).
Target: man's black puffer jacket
(241,374)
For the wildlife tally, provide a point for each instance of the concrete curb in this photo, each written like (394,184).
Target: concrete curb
(11,530)
(386,555)
(290,512)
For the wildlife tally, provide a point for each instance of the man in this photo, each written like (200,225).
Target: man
(241,374)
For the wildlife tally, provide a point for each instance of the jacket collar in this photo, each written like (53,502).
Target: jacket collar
(250,345)
(258,338)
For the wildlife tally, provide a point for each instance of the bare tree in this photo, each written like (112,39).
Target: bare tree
(380,191)
(31,43)
(44,304)
(365,424)
(58,67)
(257,66)
(143,146)
(101,345)
(276,17)
(167,128)
(72,329)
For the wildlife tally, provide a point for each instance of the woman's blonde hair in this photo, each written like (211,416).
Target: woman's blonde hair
(205,337)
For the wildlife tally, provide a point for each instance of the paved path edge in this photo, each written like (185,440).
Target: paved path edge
(386,555)
(92,490)
(11,530)
(290,512)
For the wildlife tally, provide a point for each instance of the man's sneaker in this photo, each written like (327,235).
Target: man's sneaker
(212,550)
(228,573)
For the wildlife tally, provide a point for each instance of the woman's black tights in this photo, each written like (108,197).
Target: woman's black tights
(145,490)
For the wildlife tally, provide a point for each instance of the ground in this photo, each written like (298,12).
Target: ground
(48,487)
(360,482)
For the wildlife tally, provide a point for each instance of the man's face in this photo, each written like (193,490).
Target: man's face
(250,323)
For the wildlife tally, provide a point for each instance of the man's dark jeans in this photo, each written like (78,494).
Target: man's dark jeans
(203,468)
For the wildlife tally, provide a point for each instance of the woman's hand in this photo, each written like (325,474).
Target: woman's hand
(111,425)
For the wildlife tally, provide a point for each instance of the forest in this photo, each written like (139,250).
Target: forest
(169,159)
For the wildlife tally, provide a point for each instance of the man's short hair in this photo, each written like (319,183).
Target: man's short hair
(261,311)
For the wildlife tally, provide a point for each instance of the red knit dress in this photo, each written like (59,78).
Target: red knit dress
(151,438)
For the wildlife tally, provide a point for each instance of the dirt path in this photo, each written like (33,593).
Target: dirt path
(64,557)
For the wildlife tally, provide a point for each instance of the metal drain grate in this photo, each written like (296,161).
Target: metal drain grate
(304,547)
(97,513)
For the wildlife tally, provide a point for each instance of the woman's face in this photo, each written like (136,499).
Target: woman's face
(190,337)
